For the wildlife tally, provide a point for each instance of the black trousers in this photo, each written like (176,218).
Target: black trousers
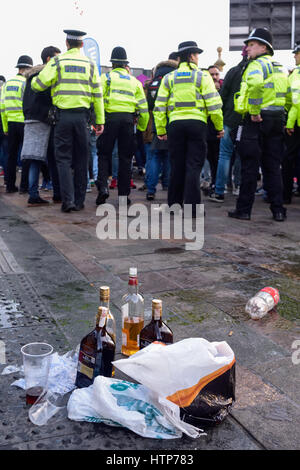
(52,167)
(123,131)
(15,143)
(71,146)
(187,150)
(290,163)
(261,144)
(213,150)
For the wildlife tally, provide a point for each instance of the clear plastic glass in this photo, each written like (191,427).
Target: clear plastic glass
(36,361)
(48,405)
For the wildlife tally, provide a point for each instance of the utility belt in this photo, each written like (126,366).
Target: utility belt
(273,112)
(55,113)
(270,117)
(74,110)
(119,116)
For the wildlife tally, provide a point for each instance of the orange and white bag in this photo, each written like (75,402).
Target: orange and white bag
(194,374)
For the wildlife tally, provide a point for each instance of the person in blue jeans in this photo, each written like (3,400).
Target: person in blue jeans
(93,149)
(157,163)
(232,120)
(37,130)
(225,157)
(115,167)
(33,183)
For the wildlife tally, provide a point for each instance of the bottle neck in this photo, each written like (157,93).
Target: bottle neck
(104,302)
(100,322)
(133,285)
(157,314)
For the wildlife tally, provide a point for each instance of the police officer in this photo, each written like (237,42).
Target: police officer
(13,124)
(293,129)
(260,138)
(123,98)
(75,84)
(186,98)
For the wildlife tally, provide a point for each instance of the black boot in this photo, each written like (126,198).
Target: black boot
(239,215)
(101,199)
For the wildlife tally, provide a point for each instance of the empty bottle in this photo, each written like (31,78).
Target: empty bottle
(264,301)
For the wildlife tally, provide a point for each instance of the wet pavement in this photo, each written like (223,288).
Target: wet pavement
(52,265)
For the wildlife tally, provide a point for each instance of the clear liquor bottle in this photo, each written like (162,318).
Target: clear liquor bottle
(157,330)
(132,315)
(96,353)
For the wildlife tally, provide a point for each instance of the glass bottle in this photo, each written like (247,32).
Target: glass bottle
(96,353)
(132,316)
(157,330)
(105,302)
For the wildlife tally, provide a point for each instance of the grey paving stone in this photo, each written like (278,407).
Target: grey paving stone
(204,294)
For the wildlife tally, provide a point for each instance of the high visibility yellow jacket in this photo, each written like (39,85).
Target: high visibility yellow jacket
(12,101)
(257,90)
(281,84)
(187,93)
(123,93)
(75,83)
(294,101)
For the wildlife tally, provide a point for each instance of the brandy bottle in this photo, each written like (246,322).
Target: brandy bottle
(105,302)
(157,330)
(96,354)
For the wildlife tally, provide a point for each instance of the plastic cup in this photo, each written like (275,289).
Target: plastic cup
(36,361)
(48,405)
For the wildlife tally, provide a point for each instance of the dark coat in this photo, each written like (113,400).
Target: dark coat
(36,106)
(231,85)
(162,69)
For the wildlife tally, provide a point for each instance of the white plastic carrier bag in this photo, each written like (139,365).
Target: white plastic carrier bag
(194,374)
(125,404)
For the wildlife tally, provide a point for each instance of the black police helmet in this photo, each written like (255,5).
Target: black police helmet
(262,35)
(119,56)
(296,47)
(24,62)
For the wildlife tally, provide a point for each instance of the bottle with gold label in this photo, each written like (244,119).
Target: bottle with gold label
(105,302)
(96,353)
(157,330)
(132,316)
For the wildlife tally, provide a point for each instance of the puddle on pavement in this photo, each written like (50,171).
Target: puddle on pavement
(7,309)
(170,250)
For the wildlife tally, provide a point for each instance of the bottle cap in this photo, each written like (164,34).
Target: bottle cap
(133,272)
(156,303)
(104,293)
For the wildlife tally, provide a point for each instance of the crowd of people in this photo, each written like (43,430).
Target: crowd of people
(185,128)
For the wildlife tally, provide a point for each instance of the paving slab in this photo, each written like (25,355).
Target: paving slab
(52,265)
